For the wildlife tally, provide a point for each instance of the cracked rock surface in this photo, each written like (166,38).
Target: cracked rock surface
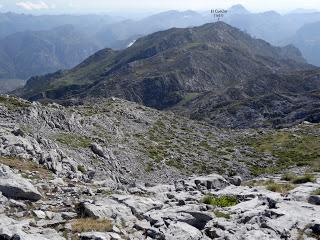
(111,172)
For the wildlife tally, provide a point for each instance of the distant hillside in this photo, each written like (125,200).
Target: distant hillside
(12,22)
(170,68)
(270,26)
(95,32)
(29,53)
(307,39)
(265,101)
(162,21)
(8,85)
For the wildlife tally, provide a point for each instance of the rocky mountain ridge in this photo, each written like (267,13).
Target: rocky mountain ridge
(193,70)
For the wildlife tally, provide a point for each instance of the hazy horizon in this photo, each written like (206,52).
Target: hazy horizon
(123,7)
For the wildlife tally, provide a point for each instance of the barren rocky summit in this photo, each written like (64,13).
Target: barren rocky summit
(113,169)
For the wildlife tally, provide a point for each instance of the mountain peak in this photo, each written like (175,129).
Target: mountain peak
(238,9)
(159,68)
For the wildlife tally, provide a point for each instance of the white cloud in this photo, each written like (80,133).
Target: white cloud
(33,5)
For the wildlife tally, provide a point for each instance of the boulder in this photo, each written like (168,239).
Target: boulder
(15,187)
(314,199)
(39,214)
(68,215)
(138,205)
(95,236)
(235,180)
(182,231)
(213,181)
(190,214)
(316,228)
(97,149)
(106,209)
(22,230)
(52,160)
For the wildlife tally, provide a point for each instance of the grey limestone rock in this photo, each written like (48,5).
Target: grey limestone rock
(16,187)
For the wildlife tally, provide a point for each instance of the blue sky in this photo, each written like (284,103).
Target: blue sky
(150,5)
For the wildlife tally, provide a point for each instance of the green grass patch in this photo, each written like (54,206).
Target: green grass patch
(176,163)
(26,167)
(12,103)
(288,177)
(257,170)
(304,179)
(220,214)
(201,168)
(223,201)
(289,149)
(316,192)
(157,153)
(271,185)
(279,187)
(73,140)
(82,169)
(255,183)
(149,167)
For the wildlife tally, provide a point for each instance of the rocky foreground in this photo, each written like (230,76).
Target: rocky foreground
(210,207)
(117,170)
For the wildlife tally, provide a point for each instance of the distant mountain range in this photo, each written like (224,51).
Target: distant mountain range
(307,39)
(212,68)
(12,22)
(29,53)
(47,37)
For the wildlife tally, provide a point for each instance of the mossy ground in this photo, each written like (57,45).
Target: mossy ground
(279,187)
(316,192)
(73,140)
(12,103)
(280,150)
(222,201)
(220,214)
(26,167)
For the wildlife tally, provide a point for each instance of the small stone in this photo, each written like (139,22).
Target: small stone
(316,229)
(314,199)
(116,229)
(114,236)
(39,214)
(235,180)
(95,236)
(142,225)
(68,215)
(181,203)
(97,149)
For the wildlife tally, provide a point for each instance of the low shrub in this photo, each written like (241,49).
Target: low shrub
(304,179)
(82,169)
(288,177)
(223,201)
(316,192)
(219,214)
(280,188)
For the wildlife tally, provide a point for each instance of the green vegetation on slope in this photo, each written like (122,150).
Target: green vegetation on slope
(288,148)
(223,201)
(13,103)
(73,140)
